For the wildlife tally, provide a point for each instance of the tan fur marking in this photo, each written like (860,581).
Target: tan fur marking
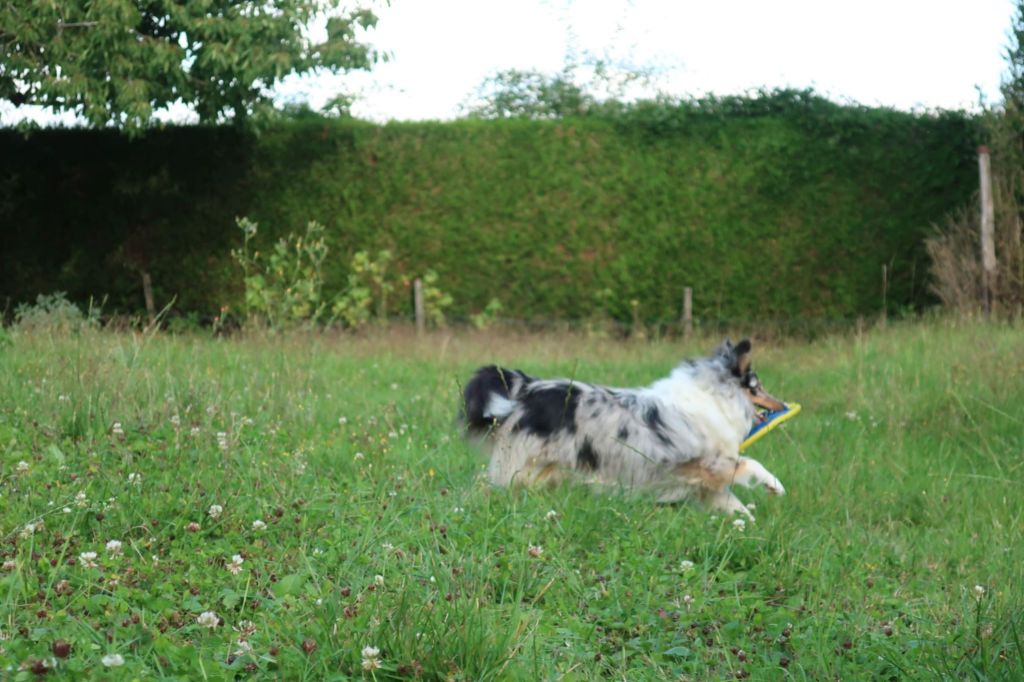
(698,473)
(743,363)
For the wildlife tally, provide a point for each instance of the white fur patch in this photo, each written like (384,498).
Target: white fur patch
(499,407)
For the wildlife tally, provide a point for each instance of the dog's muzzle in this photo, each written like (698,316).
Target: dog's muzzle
(762,399)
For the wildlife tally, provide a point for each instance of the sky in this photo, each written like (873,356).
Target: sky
(907,54)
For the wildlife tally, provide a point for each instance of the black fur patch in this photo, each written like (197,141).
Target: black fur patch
(487,381)
(623,433)
(652,417)
(586,458)
(548,410)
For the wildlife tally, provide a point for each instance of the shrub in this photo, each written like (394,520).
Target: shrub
(284,288)
(54,313)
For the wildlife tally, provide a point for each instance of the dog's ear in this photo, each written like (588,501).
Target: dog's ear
(724,349)
(742,353)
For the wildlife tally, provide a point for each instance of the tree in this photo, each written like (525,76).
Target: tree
(115,62)
(530,94)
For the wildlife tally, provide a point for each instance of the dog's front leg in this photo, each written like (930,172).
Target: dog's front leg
(750,472)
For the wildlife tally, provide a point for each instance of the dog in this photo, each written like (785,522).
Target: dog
(679,437)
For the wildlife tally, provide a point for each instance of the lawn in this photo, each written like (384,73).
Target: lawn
(302,507)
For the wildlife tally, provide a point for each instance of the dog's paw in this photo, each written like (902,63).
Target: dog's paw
(774,486)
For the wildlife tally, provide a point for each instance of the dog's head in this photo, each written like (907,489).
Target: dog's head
(737,361)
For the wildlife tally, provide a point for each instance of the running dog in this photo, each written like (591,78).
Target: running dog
(678,437)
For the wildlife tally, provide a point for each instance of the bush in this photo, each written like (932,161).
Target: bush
(284,287)
(54,313)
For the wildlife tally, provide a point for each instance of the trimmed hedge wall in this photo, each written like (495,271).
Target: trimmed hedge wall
(778,207)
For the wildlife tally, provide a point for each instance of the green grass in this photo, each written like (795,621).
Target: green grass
(903,476)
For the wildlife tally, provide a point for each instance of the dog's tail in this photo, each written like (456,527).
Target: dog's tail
(490,397)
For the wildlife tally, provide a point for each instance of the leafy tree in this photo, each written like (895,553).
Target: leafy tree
(530,94)
(115,62)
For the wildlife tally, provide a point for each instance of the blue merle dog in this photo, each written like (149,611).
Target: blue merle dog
(679,437)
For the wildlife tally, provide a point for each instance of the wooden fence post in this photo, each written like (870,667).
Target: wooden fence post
(417,297)
(147,292)
(885,294)
(687,320)
(988,223)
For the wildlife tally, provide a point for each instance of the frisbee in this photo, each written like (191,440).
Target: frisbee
(769,420)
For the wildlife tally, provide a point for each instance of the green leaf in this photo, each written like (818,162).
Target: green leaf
(289,585)
(55,454)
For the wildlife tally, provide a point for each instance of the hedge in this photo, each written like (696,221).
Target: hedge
(781,206)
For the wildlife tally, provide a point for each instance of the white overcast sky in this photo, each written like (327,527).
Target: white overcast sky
(901,53)
(909,54)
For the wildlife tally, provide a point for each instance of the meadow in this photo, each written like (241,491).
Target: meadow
(303,507)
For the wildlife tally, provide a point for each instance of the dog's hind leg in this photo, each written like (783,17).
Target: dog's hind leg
(750,472)
(725,501)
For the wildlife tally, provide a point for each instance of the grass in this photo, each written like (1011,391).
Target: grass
(903,477)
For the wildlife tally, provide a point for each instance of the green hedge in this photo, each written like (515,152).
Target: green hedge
(781,206)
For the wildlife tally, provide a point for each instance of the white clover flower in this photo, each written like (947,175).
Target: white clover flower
(686,565)
(687,599)
(66,510)
(318,551)
(112,660)
(342,421)
(22,467)
(979,591)
(116,429)
(358,456)
(751,506)
(243,648)
(235,567)
(222,440)
(551,515)
(535,551)
(371,658)
(10,565)
(852,416)
(87,559)
(458,510)
(175,421)
(194,431)
(739,524)
(63,398)
(258,524)
(245,629)
(378,580)
(135,478)
(208,619)
(27,531)
(114,547)
(215,511)
(247,421)
(81,500)
(387,546)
